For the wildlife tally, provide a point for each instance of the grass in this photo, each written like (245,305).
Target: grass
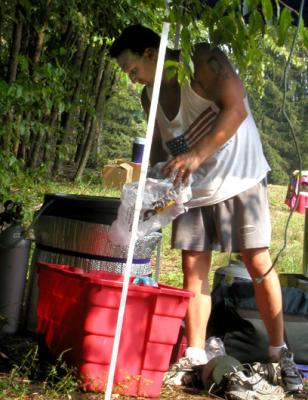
(59,380)
(291,259)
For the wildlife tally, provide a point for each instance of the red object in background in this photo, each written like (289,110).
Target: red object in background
(293,191)
(78,311)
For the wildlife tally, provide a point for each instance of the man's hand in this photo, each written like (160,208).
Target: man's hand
(182,166)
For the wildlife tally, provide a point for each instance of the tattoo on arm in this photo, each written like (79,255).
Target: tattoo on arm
(217,67)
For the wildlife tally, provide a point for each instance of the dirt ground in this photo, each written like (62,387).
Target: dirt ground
(14,350)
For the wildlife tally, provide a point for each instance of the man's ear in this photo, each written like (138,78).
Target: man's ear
(149,52)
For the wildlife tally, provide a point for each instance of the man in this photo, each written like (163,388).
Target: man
(206,132)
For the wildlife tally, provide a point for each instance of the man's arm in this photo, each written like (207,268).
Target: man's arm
(215,80)
(157,152)
(220,83)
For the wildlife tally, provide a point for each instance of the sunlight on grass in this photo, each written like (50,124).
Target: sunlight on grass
(291,259)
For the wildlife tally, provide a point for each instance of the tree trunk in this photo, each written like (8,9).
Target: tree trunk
(87,118)
(35,156)
(23,150)
(37,143)
(69,117)
(82,140)
(12,74)
(78,58)
(15,47)
(39,44)
(49,147)
(100,70)
(76,93)
(113,78)
(96,124)
(17,136)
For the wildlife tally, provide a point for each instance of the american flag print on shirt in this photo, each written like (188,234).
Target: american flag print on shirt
(196,131)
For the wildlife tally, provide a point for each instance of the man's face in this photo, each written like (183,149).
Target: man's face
(140,69)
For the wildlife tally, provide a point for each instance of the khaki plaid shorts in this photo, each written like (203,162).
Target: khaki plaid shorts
(241,222)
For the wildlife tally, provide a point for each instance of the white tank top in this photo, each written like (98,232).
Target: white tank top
(235,167)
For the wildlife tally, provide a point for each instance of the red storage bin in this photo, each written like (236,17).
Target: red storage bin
(77,313)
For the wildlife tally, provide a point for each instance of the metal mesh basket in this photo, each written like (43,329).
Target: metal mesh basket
(85,245)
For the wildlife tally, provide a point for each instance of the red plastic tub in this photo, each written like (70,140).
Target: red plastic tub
(78,311)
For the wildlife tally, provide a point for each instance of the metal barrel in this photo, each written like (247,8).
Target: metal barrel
(14,256)
(73,230)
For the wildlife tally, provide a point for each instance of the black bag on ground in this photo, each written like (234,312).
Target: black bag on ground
(236,320)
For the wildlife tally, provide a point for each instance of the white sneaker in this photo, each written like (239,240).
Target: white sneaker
(292,380)
(177,371)
(251,386)
(268,371)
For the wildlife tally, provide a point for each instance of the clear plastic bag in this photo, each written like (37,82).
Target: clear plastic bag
(214,347)
(162,202)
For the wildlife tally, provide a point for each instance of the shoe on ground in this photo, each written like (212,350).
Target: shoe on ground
(178,371)
(248,385)
(268,371)
(291,377)
(193,378)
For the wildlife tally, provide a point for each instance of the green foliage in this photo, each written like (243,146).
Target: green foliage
(124,121)
(267,10)
(284,25)
(242,29)
(51,117)
(279,171)
(10,167)
(278,140)
(55,81)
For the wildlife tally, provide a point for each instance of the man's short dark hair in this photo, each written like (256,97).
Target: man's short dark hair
(135,38)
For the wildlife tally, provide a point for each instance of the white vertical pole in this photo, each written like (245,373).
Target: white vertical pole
(138,204)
